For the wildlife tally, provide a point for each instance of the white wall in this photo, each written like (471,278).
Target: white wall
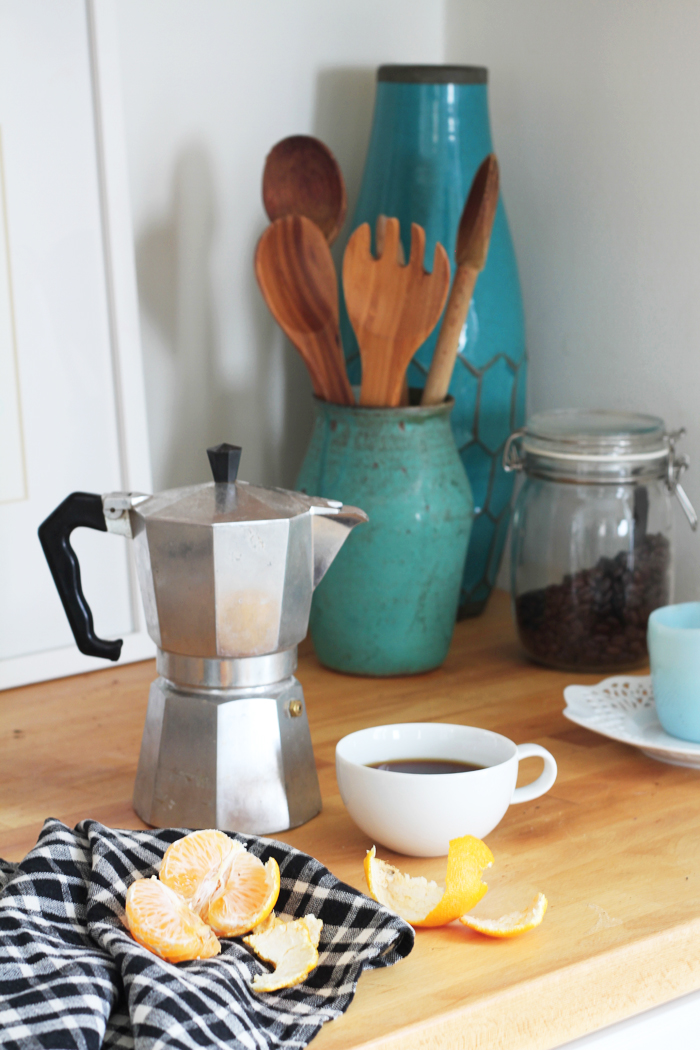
(209,87)
(595,112)
(595,108)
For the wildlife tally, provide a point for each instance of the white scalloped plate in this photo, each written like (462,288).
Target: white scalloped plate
(623,709)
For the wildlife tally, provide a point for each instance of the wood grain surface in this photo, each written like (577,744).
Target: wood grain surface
(615,845)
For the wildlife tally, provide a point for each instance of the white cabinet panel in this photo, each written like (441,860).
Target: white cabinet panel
(61,368)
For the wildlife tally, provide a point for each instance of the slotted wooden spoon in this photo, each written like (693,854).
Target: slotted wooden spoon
(392,308)
(296,275)
(473,236)
(302,177)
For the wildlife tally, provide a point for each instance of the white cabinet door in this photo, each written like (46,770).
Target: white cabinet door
(72,414)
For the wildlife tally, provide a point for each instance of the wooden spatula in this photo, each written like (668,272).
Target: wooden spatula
(379,238)
(392,308)
(296,275)
(472,247)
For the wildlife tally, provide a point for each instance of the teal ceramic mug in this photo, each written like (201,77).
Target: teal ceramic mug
(388,603)
(673,638)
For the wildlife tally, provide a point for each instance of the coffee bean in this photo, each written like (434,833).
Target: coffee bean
(596,619)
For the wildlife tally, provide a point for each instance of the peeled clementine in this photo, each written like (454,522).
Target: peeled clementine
(160,920)
(229,888)
(191,865)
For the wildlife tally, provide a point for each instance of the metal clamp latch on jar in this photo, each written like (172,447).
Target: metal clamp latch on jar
(512,455)
(513,460)
(676,466)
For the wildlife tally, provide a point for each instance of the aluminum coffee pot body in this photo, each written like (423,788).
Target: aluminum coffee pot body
(226,569)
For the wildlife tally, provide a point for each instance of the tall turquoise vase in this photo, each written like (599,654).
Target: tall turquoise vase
(387,604)
(430,133)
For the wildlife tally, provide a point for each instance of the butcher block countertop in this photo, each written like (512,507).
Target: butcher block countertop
(615,845)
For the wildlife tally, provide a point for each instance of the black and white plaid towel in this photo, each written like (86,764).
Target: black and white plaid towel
(72,978)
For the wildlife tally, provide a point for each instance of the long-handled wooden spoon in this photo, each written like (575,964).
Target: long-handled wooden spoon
(392,308)
(472,247)
(302,177)
(296,275)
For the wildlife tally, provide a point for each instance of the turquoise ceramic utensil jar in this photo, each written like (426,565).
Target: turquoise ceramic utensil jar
(430,133)
(387,605)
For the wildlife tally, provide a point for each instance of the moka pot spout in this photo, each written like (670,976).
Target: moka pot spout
(330,527)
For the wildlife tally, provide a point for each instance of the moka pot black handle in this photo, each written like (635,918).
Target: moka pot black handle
(80,509)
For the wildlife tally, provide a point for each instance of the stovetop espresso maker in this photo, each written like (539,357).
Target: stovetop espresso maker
(227,571)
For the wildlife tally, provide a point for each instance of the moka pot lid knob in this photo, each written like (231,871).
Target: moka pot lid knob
(224,460)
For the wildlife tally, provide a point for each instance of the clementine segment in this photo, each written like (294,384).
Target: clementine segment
(192,865)
(231,889)
(246,895)
(160,920)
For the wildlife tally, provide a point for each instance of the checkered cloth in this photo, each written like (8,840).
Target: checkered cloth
(72,978)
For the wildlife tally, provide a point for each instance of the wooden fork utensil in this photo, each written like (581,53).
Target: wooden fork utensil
(392,308)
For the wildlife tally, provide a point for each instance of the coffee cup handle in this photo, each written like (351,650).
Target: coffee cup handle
(544,780)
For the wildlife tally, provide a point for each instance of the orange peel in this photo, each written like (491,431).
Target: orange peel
(511,925)
(312,924)
(424,903)
(289,947)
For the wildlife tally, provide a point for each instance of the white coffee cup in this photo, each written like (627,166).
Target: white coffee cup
(418,813)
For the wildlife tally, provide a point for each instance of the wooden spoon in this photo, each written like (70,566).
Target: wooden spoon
(302,177)
(473,236)
(296,275)
(392,308)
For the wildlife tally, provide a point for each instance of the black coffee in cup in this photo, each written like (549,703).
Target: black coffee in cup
(425,765)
